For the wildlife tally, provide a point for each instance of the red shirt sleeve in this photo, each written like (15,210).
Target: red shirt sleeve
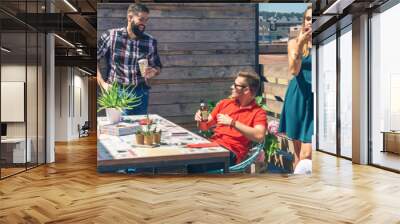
(260,118)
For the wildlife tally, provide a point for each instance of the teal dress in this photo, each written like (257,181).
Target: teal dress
(297,117)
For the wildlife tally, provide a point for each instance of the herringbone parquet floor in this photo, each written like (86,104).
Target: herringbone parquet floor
(71,191)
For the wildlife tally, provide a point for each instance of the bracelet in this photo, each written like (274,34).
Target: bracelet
(233,122)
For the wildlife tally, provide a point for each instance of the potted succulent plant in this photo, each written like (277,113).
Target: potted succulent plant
(115,99)
(148,138)
(157,136)
(139,137)
(147,131)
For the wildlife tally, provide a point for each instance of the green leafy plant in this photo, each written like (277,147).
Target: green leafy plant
(271,146)
(148,131)
(139,131)
(261,102)
(117,98)
(154,130)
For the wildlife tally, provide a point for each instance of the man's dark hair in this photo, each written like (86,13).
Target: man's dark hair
(137,8)
(252,80)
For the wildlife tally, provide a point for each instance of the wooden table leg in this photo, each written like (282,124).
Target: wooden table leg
(226,165)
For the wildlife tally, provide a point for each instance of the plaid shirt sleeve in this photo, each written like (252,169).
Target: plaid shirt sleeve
(154,58)
(103,45)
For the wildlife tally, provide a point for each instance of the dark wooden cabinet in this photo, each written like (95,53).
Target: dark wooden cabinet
(391,141)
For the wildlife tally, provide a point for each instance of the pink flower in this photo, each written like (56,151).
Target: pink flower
(273,127)
(261,157)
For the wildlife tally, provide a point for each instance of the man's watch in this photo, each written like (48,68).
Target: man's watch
(233,122)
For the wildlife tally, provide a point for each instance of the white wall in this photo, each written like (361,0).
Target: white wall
(61,103)
(71,94)
(50,92)
(14,73)
(80,101)
(34,124)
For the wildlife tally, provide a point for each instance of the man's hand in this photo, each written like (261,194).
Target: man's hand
(224,119)
(197,116)
(101,81)
(150,72)
(105,86)
(129,27)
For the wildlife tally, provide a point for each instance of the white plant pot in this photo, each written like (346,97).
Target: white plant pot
(113,115)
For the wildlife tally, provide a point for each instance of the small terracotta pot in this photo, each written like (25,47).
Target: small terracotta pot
(139,139)
(148,139)
(157,138)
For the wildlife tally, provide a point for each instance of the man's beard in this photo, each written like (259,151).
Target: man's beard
(137,31)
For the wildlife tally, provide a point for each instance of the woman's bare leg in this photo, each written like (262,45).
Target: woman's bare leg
(297,151)
(304,166)
(306,151)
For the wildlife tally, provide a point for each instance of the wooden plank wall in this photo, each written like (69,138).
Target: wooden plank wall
(201,45)
(274,61)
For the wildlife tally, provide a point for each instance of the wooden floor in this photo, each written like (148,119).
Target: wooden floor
(386,159)
(71,191)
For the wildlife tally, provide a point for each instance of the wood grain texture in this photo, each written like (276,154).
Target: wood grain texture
(173,24)
(275,70)
(275,65)
(276,89)
(189,73)
(274,106)
(71,191)
(201,36)
(182,10)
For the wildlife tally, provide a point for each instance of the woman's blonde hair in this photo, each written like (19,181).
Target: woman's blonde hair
(305,46)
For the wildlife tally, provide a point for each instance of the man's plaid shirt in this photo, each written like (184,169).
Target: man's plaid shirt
(123,54)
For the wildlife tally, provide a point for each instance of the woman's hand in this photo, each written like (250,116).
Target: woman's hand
(304,35)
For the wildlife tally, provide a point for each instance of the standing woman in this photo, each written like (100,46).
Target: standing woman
(297,117)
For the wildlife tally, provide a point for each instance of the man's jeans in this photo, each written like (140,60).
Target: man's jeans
(141,91)
(204,168)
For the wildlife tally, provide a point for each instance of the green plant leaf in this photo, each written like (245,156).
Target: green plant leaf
(118,97)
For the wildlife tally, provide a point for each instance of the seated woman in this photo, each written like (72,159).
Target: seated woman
(239,120)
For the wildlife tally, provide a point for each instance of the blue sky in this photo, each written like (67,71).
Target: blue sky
(283,7)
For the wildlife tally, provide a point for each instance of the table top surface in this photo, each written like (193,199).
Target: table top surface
(391,132)
(173,143)
(13,140)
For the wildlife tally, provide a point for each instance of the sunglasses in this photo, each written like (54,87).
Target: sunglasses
(237,86)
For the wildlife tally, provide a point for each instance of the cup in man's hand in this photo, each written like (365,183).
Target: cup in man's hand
(143,64)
